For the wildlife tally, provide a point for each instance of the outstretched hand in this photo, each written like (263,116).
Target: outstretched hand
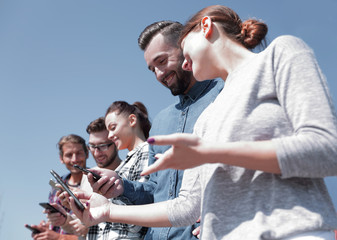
(186,152)
(97,208)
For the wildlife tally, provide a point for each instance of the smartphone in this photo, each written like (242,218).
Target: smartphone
(66,188)
(96,176)
(49,207)
(34,230)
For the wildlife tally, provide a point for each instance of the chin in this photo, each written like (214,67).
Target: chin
(200,79)
(100,165)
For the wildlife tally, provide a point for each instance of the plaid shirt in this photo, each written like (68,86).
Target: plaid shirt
(136,160)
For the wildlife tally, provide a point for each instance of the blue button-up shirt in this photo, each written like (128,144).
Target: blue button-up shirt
(165,185)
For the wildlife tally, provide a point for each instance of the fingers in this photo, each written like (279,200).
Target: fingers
(97,185)
(63,199)
(79,227)
(60,208)
(57,219)
(174,139)
(43,223)
(196,232)
(75,209)
(60,190)
(155,167)
(108,186)
(199,219)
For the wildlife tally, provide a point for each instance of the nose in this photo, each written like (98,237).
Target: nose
(96,152)
(110,136)
(186,66)
(74,158)
(159,74)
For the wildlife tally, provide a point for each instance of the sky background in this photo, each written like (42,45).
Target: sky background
(62,63)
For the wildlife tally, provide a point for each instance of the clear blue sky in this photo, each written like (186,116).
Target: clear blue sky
(63,62)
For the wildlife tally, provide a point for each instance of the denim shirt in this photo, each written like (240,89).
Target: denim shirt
(165,185)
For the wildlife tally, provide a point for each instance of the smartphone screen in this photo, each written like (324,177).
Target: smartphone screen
(96,176)
(66,188)
(52,209)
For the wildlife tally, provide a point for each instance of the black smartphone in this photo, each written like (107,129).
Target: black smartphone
(66,188)
(52,209)
(96,176)
(34,230)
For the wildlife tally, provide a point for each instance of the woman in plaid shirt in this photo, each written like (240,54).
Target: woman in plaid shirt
(128,127)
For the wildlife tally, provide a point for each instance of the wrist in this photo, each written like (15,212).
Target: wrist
(111,216)
(67,219)
(122,183)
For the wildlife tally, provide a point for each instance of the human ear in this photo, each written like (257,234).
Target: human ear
(132,120)
(206,25)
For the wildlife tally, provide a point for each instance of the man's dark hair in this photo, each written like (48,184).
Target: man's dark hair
(169,29)
(97,125)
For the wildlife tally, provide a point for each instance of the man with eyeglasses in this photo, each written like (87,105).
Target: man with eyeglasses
(103,150)
(106,156)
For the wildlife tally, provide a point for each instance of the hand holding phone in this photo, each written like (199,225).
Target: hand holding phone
(34,230)
(53,184)
(51,209)
(66,188)
(86,171)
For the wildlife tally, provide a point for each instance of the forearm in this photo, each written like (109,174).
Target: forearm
(150,215)
(68,237)
(139,192)
(258,155)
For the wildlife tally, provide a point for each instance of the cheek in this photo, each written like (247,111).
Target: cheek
(196,72)
(66,161)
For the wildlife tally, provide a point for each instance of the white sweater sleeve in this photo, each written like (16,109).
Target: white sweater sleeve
(303,94)
(185,209)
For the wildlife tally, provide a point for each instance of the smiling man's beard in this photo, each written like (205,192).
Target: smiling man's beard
(111,159)
(183,80)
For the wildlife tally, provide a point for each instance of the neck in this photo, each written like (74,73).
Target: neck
(115,163)
(231,56)
(193,81)
(75,178)
(138,140)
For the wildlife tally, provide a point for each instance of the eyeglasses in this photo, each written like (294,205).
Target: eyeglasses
(101,147)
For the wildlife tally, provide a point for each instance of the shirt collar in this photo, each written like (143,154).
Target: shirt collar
(129,154)
(196,90)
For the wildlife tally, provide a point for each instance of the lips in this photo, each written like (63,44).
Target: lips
(168,80)
(100,160)
(115,140)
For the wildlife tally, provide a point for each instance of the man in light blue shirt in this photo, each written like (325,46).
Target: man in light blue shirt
(164,57)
